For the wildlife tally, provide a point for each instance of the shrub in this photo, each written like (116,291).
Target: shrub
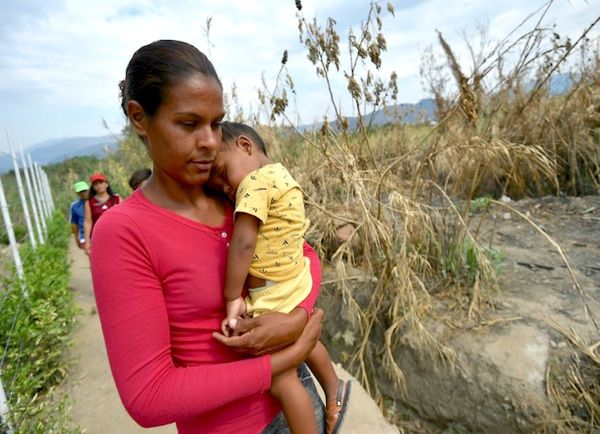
(20,234)
(34,331)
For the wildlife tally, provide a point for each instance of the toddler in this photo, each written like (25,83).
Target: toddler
(266,254)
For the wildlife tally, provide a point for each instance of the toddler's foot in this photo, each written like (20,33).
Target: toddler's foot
(336,407)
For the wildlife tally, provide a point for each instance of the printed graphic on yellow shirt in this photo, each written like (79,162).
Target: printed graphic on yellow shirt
(273,196)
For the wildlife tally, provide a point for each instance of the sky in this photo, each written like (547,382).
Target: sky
(61,60)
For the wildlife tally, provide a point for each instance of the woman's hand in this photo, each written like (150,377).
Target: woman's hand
(267,333)
(87,248)
(291,356)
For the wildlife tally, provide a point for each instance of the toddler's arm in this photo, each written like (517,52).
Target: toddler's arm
(241,250)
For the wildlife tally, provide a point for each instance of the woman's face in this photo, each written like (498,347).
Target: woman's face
(100,186)
(184,135)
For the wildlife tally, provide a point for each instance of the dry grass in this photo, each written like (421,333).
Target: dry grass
(406,190)
(405,245)
(574,385)
(507,113)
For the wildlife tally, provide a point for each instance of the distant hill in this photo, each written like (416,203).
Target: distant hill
(407,113)
(422,111)
(57,150)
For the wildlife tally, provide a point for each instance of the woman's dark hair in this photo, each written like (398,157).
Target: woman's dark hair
(138,177)
(93,192)
(232,130)
(155,67)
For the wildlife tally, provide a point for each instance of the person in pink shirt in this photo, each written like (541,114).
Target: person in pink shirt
(158,266)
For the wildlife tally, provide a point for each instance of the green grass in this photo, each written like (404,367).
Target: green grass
(35,332)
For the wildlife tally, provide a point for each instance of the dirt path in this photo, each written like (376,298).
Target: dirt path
(97,407)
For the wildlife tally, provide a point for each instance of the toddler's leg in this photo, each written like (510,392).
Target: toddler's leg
(337,392)
(295,403)
(320,364)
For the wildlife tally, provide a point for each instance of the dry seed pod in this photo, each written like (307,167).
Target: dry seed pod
(390,9)
(325,127)
(353,87)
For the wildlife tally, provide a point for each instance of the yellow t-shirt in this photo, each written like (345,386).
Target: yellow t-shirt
(273,196)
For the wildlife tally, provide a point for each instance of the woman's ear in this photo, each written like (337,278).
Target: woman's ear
(137,116)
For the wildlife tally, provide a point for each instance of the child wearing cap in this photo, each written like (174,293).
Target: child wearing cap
(77,212)
(101,199)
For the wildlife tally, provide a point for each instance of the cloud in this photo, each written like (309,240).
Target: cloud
(68,53)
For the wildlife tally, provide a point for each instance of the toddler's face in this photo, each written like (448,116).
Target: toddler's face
(229,168)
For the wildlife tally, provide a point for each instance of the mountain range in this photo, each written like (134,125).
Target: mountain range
(422,111)
(57,150)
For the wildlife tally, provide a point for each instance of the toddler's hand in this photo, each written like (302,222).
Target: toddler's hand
(235,309)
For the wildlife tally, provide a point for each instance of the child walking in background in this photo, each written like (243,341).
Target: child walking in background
(139,178)
(77,212)
(265,253)
(101,199)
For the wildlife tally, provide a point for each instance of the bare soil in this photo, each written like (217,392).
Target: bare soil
(536,283)
(498,380)
(96,406)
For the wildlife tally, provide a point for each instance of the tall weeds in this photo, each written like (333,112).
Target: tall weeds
(358,178)
(403,195)
(535,95)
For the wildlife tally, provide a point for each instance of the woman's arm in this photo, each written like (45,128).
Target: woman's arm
(87,227)
(315,271)
(273,331)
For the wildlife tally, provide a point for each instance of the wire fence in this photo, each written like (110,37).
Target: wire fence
(36,206)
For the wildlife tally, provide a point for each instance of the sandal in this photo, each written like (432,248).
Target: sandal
(336,408)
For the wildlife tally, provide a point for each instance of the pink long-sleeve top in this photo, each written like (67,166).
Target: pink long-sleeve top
(158,281)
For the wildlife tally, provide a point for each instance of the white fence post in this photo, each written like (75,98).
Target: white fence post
(4,409)
(50,197)
(44,188)
(37,194)
(11,236)
(34,209)
(43,195)
(21,192)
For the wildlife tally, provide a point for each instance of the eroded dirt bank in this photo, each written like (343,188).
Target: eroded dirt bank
(498,382)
